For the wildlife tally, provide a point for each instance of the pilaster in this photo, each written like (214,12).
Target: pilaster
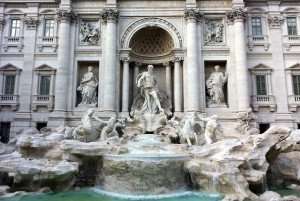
(64,16)
(279,76)
(191,72)
(238,16)
(110,16)
(23,116)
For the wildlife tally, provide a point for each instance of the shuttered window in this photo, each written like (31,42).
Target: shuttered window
(9,85)
(296,84)
(44,85)
(261,86)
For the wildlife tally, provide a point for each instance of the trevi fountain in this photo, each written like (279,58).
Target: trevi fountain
(152,155)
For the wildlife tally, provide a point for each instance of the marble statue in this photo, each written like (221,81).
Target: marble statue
(89,34)
(111,129)
(148,89)
(88,88)
(88,131)
(244,120)
(187,131)
(215,84)
(214,32)
(211,128)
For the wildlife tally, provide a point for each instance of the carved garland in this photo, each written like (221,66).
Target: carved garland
(150,22)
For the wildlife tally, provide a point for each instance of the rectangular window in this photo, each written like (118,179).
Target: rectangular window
(296,84)
(9,84)
(256,26)
(4,132)
(49,28)
(15,28)
(44,85)
(261,86)
(292,26)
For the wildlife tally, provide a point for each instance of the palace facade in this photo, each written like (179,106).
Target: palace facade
(49,47)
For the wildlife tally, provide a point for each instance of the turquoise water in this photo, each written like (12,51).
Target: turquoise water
(95,195)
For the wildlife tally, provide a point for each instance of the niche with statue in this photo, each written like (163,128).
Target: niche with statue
(216,83)
(87,84)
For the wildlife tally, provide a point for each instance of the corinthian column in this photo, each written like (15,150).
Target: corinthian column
(191,74)
(110,16)
(125,85)
(238,16)
(177,84)
(63,60)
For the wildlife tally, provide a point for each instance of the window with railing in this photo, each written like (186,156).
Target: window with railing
(9,84)
(292,26)
(15,28)
(256,24)
(261,87)
(44,85)
(49,28)
(296,84)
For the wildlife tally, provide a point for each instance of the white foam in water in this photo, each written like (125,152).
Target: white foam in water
(154,197)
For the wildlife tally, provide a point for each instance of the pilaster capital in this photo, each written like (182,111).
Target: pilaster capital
(178,58)
(237,14)
(110,15)
(31,22)
(192,14)
(64,15)
(125,58)
(275,21)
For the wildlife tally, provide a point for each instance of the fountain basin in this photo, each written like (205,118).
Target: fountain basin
(150,167)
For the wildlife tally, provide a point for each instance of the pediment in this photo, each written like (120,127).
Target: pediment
(261,67)
(9,67)
(294,67)
(44,67)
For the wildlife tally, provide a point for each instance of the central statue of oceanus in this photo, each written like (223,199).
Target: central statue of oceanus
(150,105)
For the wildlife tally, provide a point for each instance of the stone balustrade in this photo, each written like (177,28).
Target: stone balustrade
(42,101)
(47,42)
(13,42)
(11,101)
(294,102)
(263,101)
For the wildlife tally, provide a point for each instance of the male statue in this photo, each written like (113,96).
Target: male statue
(148,89)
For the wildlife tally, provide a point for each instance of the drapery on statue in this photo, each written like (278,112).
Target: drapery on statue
(87,88)
(215,84)
(149,99)
(148,89)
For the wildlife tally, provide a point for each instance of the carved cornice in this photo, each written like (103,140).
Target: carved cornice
(192,14)
(31,22)
(275,21)
(110,15)
(65,15)
(236,14)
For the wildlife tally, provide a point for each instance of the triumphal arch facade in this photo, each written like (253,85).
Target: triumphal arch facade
(58,58)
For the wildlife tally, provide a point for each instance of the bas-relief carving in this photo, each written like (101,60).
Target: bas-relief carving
(89,33)
(215,87)
(88,88)
(214,32)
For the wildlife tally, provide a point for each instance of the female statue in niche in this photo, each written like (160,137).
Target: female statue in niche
(215,84)
(88,86)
